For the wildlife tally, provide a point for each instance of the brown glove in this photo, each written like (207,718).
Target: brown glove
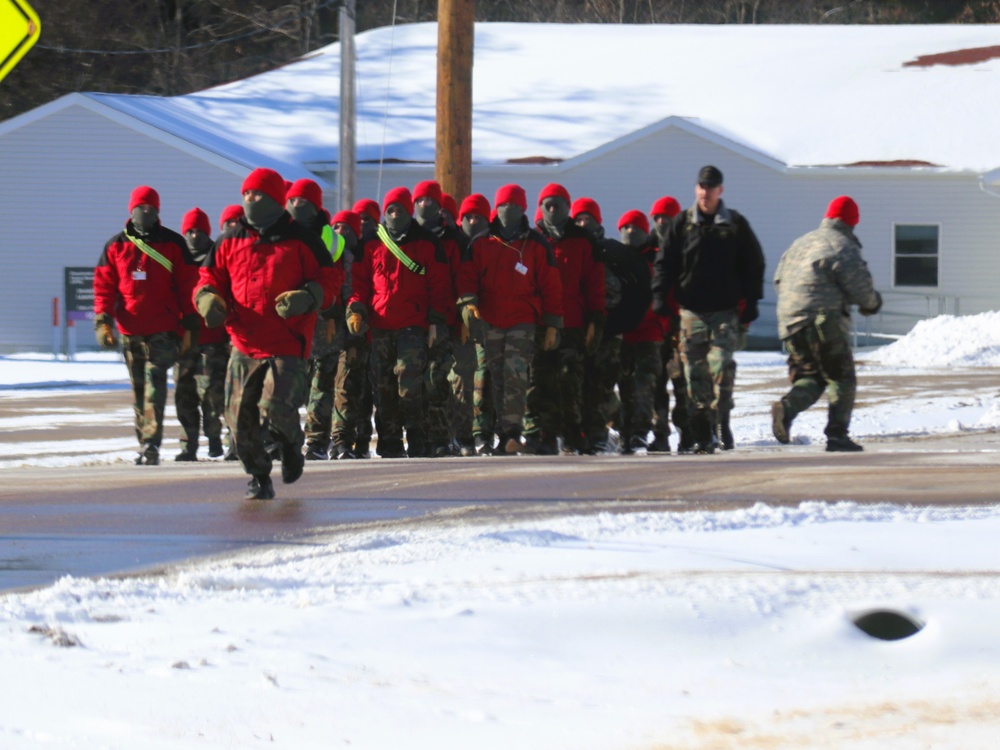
(106,338)
(355,323)
(213,309)
(330,331)
(295,302)
(551,339)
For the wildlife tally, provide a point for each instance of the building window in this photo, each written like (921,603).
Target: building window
(915,254)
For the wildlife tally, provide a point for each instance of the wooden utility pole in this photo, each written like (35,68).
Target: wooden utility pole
(347,165)
(453,151)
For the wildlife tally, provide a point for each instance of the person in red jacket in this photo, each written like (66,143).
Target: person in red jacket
(555,396)
(266,279)
(509,288)
(641,349)
(200,373)
(428,200)
(401,289)
(143,281)
(661,214)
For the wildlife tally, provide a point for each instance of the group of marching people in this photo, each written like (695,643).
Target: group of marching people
(456,329)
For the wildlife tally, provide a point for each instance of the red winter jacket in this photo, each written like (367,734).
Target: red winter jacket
(582,276)
(393,296)
(653,327)
(249,270)
(490,279)
(139,292)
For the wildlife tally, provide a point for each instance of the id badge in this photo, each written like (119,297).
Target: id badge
(521,268)
(139,275)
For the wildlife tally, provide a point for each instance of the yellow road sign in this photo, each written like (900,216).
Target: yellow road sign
(19,30)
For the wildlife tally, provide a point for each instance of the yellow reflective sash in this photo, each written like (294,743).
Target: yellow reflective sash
(328,238)
(152,253)
(383,234)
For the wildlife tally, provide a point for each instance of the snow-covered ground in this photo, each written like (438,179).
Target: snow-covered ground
(643,630)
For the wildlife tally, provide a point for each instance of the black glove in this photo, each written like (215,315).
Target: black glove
(872,310)
(750,312)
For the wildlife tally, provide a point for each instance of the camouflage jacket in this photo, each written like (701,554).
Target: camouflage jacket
(822,273)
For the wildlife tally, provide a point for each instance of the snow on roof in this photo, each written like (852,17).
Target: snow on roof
(803,95)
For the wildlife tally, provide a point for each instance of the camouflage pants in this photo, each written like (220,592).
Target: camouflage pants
(274,388)
(149,359)
(398,364)
(672,372)
(507,354)
(555,390)
(708,341)
(820,359)
(601,405)
(438,395)
(319,408)
(483,410)
(200,392)
(641,366)
(352,401)
(462,380)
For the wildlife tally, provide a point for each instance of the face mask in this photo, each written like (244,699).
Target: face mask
(350,239)
(262,213)
(427,212)
(510,215)
(555,212)
(303,212)
(473,224)
(144,221)
(660,230)
(199,245)
(635,238)
(589,223)
(399,223)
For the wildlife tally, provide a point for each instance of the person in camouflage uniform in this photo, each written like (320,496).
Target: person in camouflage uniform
(671,374)
(555,393)
(143,282)
(439,396)
(508,287)
(818,279)
(401,289)
(266,279)
(304,202)
(474,217)
(711,261)
(200,373)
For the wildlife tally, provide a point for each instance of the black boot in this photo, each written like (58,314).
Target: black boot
(292,463)
(260,488)
(215,447)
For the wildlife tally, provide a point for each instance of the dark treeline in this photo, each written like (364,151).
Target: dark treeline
(169,47)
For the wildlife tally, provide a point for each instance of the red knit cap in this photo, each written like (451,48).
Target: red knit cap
(586,206)
(401,196)
(449,205)
(267,181)
(428,189)
(511,194)
(665,205)
(351,218)
(474,204)
(230,213)
(553,190)
(845,209)
(370,207)
(636,217)
(196,219)
(144,196)
(307,189)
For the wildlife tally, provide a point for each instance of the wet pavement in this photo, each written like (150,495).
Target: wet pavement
(109,519)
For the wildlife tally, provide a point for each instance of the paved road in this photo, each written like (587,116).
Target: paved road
(106,519)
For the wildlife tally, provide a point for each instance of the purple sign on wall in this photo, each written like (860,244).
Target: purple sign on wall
(79,293)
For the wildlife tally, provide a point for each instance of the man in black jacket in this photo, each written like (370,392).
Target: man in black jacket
(712,262)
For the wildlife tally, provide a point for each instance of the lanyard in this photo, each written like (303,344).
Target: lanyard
(147,250)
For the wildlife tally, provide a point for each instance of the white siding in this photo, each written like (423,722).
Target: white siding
(64,190)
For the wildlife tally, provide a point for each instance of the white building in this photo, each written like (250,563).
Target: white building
(902,118)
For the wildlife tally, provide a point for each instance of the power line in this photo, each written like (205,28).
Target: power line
(202,45)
